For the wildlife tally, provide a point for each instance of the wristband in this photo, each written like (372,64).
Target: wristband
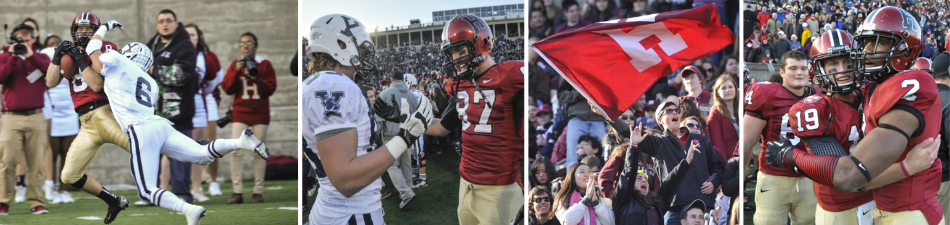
(904,168)
(396,147)
(861,168)
(93,46)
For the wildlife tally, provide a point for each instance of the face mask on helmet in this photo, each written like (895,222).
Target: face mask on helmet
(873,60)
(464,66)
(365,63)
(830,78)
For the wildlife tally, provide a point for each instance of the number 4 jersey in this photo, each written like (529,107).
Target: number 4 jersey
(821,115)
(132,92)
(770,102)
(913,91)
(492,137)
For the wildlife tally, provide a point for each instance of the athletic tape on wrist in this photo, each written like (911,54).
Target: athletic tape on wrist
(396,147)
(861,168)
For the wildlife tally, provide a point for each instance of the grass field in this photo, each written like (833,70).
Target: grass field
(434,204)
(279,207)
(750,191)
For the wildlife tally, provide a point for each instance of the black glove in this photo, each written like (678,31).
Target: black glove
(387,111)
(58,53)
(778,151)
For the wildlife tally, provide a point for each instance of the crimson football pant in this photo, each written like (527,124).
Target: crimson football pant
(149,141)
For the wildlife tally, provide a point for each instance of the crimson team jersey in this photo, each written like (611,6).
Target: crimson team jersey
(492,137)
(78,88)
(810,118)
(770,102)
(915,91)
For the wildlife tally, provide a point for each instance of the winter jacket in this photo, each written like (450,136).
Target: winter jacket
(628,209)
(577,105)
(398,89)
(174,67)
(668,151)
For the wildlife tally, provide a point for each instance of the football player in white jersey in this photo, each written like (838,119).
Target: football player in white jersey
(339,131)
(132,94)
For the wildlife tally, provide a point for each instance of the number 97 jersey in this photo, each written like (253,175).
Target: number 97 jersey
(132,92)
(820,115)
(492,137)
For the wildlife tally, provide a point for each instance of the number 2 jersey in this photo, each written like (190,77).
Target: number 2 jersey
(132,92)
(78,88)
(913,91)
(822,115)
(333,103)
(492,137)
(770,102)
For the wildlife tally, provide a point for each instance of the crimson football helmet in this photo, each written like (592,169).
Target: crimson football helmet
(471,33)
(923,64)
(832,43)
(84,19)
(887,24)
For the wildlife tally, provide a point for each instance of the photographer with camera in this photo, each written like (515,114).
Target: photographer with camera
(174,70)
(22,130)
(251,79)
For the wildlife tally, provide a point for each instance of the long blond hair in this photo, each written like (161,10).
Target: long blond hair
(719,103)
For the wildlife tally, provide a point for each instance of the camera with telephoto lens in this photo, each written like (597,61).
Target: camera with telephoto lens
(251,65)
(224,121)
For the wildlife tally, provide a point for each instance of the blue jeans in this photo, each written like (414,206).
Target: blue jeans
(577,128)
(181,176)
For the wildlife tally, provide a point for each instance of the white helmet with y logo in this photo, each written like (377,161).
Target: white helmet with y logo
(346,40)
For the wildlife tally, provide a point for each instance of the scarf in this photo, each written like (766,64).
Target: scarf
(576,199)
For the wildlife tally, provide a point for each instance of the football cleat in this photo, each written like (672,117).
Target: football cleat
(193,214)
(115,209)
(252,143)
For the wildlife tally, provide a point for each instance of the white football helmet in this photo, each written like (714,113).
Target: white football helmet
(410,79)
(139,54)
(346,40)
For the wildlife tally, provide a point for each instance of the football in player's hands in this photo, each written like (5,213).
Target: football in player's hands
(776,151)
(112,24)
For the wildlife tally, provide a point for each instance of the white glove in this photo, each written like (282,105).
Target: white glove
(112,24)
(412,125)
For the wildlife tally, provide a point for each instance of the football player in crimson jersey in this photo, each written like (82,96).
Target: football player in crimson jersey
(341,143)
(97,124)
(780,193)
(898,104)
(488,100)
(829,121)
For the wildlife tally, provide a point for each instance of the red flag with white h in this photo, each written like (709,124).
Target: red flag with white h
(612,63)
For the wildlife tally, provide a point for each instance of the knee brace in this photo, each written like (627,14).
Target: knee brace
(79,183)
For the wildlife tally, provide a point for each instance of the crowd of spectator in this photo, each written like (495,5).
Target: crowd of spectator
(638,163)
(771,28)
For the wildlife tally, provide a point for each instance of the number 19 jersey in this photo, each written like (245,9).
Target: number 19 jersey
(132,92)
(820,115)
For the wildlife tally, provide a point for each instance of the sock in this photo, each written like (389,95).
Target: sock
(50,183)
(20,180)
(108,197)
(221,147)
(422,176)
(168,200)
